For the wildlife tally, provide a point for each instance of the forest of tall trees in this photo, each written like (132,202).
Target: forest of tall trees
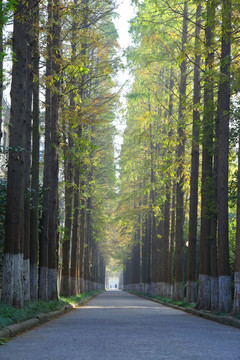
(179,182)
(166,209)
(60,171)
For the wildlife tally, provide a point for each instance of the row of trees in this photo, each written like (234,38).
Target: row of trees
(175,177)
(61,173)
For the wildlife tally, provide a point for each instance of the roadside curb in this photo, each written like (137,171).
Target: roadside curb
(17,329)
(225,320)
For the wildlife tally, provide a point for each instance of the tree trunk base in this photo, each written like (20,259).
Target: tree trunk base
(7,279)
(145,288)
(18,294)
(236,304)
(165,289)
(82,289)
(34,282)
(204,292)
(169,291)
(178,291)
(225,294)
(12,280)
(65,286)
(73,286)
(43,283)
(52,284)
(26,279)
(214,293)
(153,289)
(191,291)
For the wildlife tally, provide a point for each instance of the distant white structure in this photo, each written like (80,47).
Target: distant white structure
(113,283)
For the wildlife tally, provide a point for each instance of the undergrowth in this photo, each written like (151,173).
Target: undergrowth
(181,303)
(10,315)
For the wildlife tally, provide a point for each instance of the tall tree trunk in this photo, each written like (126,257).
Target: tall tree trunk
(68,174)
(204,294)
(54,156)
(236,303)
(43,249)
(27,160)
(170,213)
(160,250)
(12,282)
(213,245)
(192,235)
(34,215)
(75,232)
(89,244)
(136,261)
(146,253)
(155,252)
(178,284)
(171,246)
(225,296)
(82,237)
(1,68)
(165,249)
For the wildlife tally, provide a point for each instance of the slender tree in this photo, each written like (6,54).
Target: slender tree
(192,234)
(225,297)
(34,215)
(54,155)
(43,248)
(204,294)
(236,303)
(178,284)
(12,284)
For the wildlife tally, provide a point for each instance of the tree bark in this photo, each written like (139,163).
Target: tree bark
(82,237)
(136,262)
(1,68)
(236,302)
(178,284)
(12,282)
(172,241)
(43,249)
(68,173)
(192,235)
(34,214)
(225,297)
(27,160)
(75,233)
(146,253)
(204,294)
(54,156)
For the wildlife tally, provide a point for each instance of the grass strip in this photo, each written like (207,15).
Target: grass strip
(10,315)
(182,304)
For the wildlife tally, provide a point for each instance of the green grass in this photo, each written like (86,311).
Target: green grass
(237,316)
(182,304)
(78,299)
(10,315)
(166,300)
(3,340)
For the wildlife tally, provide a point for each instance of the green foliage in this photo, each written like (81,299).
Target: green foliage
(166,300)
(3,340)
(11,315)
(73,300)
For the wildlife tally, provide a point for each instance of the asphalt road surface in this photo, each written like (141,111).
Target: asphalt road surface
(117,325)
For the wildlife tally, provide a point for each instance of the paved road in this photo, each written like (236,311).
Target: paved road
(117,325)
